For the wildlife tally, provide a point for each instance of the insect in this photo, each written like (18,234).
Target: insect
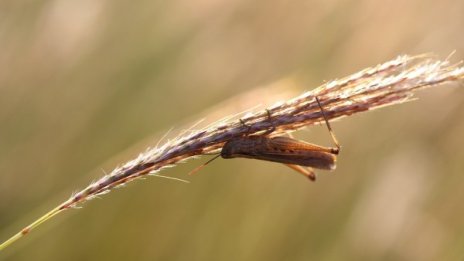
(296,154)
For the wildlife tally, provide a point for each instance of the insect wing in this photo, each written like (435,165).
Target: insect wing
(290,151)
(295,146)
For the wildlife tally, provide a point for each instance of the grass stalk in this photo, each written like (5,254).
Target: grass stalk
(390,83)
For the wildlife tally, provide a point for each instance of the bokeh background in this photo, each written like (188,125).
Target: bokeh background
(86,85)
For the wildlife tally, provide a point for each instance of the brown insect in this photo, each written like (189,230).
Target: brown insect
(294,153)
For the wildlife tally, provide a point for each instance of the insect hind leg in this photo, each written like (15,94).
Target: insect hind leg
(307,172)
(335,150)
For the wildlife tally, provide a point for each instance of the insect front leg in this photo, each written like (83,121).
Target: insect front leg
(246,125)
(267,132)
(273,127)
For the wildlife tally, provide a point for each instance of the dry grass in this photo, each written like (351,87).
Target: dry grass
(386,84)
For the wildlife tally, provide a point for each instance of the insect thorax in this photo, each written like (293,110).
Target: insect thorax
(242,146)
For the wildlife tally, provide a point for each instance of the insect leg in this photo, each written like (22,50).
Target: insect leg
(332,134)
(246,125)
(273,128)
(269,131)
(307,172)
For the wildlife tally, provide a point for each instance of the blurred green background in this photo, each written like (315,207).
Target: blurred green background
(87,85)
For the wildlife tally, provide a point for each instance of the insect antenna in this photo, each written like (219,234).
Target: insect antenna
(195,170)
(337,144)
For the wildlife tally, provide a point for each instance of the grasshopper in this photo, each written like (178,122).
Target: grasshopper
(291,152)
